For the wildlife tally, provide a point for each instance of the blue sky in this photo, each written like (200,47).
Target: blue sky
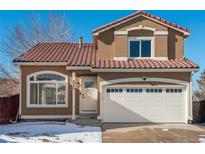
(82,23)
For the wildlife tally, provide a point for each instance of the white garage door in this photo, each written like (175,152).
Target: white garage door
(143,104)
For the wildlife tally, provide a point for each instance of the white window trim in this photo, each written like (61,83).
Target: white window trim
(142,38)
(161,33)
(120,58)
(141,27)
(28,82)
(120,32)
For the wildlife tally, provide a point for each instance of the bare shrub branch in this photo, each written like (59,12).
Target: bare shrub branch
(22,37)
(199,94)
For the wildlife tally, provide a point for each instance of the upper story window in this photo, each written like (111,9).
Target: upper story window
(140,47)
(47,89)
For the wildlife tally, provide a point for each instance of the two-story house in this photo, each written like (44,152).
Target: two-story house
(134,71)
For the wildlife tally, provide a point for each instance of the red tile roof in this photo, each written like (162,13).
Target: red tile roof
(145,64)
(145,14)
(73,55)
(70,53)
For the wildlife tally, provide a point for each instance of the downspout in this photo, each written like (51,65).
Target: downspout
(73,95)
(190,100)
(20,89)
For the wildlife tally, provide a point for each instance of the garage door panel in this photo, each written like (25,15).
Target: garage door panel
(116,96)
(135,109)
(174,111)
(134,103)
(118,109)
(123,115)
(134,99)
(152,110)
(174,119)
(152,105)
(154,118)
(153,100)
(174,99)
(178,104)
(153,113)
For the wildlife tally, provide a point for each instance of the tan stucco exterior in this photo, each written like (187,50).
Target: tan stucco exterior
(140,21)
(119,47)
(105,43)
(168,75)
(170,46)
(175,45)
(161,46)
(110,46)
(105,76)
(26,70)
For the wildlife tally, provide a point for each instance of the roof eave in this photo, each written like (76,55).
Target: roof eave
(93,69)
(77,68)
(144,70)
(41,63)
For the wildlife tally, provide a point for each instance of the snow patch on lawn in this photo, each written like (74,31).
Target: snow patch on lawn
(165,130)
(57,132)
(202,139)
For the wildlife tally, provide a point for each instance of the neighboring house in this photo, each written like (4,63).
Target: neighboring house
(9,87)
(134,71)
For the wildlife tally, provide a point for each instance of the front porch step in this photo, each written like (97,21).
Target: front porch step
(87,116)
(86,122)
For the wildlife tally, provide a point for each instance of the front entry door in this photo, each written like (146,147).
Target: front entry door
(88,95)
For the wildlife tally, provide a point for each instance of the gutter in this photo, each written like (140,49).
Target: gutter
(76,68)
(145,70)
(41,63)
(90,68)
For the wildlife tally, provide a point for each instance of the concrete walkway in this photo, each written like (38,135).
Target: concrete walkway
(87,122)
(152,133)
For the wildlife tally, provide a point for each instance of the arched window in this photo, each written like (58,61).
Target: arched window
(47,89)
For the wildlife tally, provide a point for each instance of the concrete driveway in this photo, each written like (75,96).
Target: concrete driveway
(153,133)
